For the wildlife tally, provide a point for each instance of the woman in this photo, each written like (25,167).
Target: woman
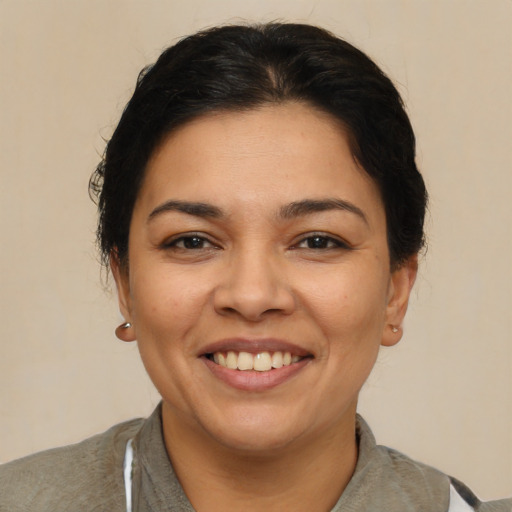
(262,213)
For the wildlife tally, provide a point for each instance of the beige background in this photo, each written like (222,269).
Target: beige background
(444,395)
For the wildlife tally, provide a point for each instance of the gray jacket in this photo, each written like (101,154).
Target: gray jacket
(89,477)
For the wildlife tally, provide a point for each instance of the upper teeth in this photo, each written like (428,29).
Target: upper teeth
(261,362)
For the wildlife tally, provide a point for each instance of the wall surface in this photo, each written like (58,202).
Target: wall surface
(443,395)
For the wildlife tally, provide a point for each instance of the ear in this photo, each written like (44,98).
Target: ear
(400,286)
(126,331)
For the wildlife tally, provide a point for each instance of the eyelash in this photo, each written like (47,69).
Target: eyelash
(326,242)
(189,237)
(331,242)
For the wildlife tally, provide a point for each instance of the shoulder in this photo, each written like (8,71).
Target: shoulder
(87,474)
(403,483)
(461,497)
(416,483)
(419,483)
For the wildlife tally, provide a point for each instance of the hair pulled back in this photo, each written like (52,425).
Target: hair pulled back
(237,68)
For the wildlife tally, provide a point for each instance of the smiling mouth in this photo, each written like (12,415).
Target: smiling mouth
(260,362)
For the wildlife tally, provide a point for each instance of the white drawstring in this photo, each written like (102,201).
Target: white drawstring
(128,463)
(457,504)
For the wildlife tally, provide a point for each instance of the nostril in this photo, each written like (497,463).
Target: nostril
(251,297)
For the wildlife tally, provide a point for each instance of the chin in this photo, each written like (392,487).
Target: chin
(255,441)
(251,429)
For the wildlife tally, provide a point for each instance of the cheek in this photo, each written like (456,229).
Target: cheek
(347,301)
(167,304)
(167,309)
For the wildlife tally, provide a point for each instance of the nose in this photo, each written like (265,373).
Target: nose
(254,286)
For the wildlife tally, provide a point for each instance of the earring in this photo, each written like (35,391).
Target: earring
(394,328)
(122,332)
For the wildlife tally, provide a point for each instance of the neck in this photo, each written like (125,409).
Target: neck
(308,474)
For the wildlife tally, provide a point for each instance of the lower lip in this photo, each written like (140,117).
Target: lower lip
(252,380)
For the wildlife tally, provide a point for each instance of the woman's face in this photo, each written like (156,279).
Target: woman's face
(256,238)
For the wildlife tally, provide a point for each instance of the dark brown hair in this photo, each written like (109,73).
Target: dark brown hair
(242,67)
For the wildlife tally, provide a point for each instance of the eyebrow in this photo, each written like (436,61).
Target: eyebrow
(289,211)
(308,206)
(204,210)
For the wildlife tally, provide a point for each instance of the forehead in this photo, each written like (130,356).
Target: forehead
(261,157)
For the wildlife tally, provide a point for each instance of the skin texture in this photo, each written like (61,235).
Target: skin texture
(256,270)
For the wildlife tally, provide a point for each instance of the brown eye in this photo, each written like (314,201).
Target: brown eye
(317,242)
(320,242)
(193,242)
(190,242)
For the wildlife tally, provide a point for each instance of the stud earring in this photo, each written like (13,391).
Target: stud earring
(122,332)
(394,329)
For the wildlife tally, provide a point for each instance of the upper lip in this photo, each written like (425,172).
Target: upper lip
(254,346)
